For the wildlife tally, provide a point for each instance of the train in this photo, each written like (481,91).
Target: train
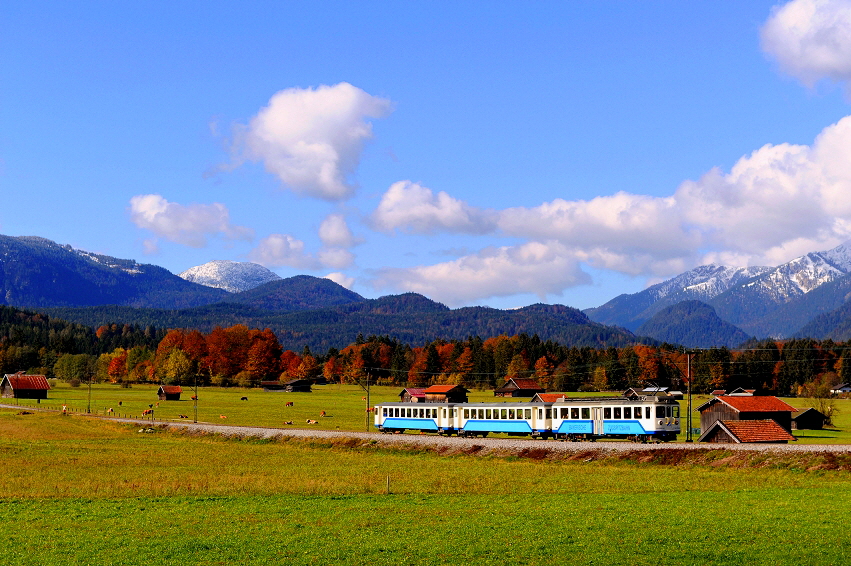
(639,419)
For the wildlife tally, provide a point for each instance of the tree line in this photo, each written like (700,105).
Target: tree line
(242,356)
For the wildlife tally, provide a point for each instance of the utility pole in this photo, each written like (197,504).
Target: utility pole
(89,405)
(195,399)
(688,414)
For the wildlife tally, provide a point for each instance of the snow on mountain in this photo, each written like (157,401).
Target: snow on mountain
(704,282)
(232,276)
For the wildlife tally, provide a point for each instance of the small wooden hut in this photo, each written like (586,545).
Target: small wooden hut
(745,408)
(518,387)
(809,419)
(446,394)
(742,432)
(169,392)
(412,395)
(298,386)
(22,386)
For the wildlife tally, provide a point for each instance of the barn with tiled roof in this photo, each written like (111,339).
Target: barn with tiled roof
(169,392)
(518,387)
(746,432)
(22,386)
(745,408)
(446,394)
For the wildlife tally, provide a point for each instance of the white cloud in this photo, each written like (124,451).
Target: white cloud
(312,138)
(775,204)
(334,232)
(341,279)
(413,208)
(811,39)
(336,258)
(190,225)
(540,268)
(279,250)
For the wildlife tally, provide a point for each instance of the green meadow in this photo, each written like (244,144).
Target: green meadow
(79,490)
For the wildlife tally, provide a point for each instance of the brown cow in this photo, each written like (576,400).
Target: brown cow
(289,404)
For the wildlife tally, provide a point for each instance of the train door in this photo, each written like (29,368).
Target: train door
(597,417)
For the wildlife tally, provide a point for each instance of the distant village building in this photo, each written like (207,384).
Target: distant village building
(841,389)
(412,395)
(808,419)
(741,432)
(745,408)
(298,386)
(272,385)
(169,392)
(446,394)
(22,386)
(519,387)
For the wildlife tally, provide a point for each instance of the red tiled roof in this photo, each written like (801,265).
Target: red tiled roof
(440,388)
(756,404)
(414,392)
(550,397)
(20,381)
(719,392)
(171,389)
(757,431)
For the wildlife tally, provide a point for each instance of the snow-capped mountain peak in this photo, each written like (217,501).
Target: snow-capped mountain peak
(232,276)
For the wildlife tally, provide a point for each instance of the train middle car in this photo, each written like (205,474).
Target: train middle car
(642,418)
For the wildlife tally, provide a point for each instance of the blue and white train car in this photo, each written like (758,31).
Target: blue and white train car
(637,418)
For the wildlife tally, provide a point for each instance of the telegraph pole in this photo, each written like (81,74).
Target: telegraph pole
(688,414)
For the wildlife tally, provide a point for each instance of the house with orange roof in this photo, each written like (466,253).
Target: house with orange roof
(518,387)
(746,408)
(746,432)
(446,394)
(22,386)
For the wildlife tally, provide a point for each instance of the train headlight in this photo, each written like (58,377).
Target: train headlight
(677,421)
(661,422)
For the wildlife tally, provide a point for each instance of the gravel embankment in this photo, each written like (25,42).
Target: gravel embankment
(453,443)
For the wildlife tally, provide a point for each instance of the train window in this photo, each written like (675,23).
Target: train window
(607,413)
(676,411)
(466,413)
(668,411)
(540,413)
(586,412)
(549,413)
(627,412)
(574,413)
(504,414)
(617,412)
(383,411)
(646,412)
(528,414)
(637,412)
(511,414)
(487,413)
(660,412)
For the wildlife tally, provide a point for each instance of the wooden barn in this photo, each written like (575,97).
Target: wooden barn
(742,432)
(809,419)
(412,395)
(21,386)
(298,386)
(169,392)
(518,387)
(272,385)
(445,394)
(841,389)
(745,408)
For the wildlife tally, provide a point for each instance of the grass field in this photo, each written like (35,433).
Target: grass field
(344,404)
(77,490)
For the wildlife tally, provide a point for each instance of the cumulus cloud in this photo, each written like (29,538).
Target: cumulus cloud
(279,250)
(190,225)
(312,138)
(811,39)
(336,258)
(412,208)
(775,204)
(335,232)
(542,268)
(341,279)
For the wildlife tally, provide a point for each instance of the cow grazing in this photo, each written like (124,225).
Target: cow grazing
(184,416)
(194,398)
(289,404)
(243,399)
(147,412)
(223,416)
(288,422)
(311,421)
(322,414)
(110,410)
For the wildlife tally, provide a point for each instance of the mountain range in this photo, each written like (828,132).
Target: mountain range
(707,306)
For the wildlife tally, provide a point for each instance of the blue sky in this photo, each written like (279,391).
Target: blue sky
(476,152)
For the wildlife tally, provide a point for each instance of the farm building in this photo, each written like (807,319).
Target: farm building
(21,386)
(169,392)
(745,408)
(809,419)
(272,385)
(412,395)
(548,397)
(518,387)
(741,432)
(841,389)
(298,386)
(634,392)
(445,394)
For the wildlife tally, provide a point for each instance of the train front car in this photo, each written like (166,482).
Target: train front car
(641,419)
